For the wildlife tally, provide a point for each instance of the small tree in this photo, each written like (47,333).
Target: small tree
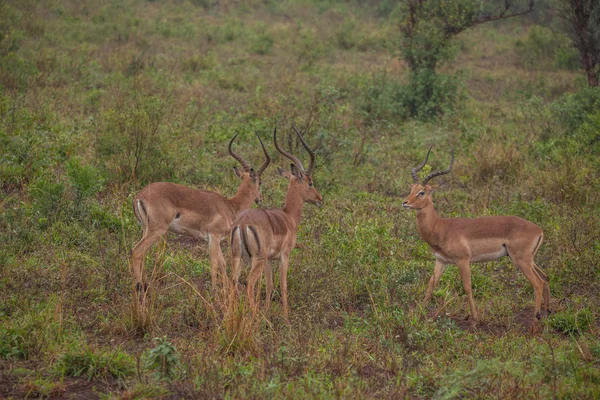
(426,30)
(582,19)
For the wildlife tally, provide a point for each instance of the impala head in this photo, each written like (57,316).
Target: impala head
(420,193)
(251,179)
(298,176)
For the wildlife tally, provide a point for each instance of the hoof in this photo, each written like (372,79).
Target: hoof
(538,315)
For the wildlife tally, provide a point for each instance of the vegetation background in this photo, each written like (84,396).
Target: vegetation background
(99,98)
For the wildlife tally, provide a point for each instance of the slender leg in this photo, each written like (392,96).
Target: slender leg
(464,268)
(215,254)
(435,278)
(269,279)
(222,266)
(284,263)
(138,254)
(527,267)
(236,257)
(253,277)
(544,277)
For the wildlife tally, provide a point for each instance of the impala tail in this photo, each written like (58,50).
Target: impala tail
(141,212)
(244,241)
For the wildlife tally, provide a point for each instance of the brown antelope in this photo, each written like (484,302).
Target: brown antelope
(270,235)
(463,241)
(202,214)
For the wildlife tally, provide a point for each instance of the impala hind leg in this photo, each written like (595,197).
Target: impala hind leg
(284,263)
(435,278)
(253,277)
(464,268)
(527,266)
(269,280)
(544,277)
(138,254)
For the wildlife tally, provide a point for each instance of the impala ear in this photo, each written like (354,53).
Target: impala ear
(283,172)
(433,188)
(237,172)
(296,172)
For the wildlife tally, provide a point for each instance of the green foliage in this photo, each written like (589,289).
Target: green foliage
(426,30)
(85,180)
(544,49)
(572,322)
(106,85)
(131,141)
(163,360)
(95,363)
(48,199)
(28,334)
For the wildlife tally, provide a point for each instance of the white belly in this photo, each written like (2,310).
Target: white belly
(181,229)
(490,256)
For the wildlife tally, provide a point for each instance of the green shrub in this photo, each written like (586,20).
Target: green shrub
(85,179)
(95,364)
(545,49)
(48,199)
(163,360)
(572,322)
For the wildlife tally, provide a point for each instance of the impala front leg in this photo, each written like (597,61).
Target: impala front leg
(435,278)
(464,268)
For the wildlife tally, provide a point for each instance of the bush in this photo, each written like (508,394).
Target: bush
(95,364)
(544,49)
(572,322)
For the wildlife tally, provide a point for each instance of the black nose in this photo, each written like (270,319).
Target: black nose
(404,202)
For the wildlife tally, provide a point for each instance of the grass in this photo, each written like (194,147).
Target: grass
(98,99)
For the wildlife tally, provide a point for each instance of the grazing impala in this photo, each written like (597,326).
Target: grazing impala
(164,206)
(270,235)
(463,241)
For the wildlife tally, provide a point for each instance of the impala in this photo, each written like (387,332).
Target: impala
(202,214)
(270,235)
(463,241)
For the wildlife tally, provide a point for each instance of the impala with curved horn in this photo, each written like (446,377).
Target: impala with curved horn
(463,241)
(270,235)
(202,214)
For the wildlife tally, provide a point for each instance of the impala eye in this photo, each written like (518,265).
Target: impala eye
(421,193)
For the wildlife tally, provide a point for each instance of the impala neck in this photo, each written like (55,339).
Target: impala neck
(427,220)
(243,198)
(293,204)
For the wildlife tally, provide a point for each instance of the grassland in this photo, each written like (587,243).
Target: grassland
(99,98)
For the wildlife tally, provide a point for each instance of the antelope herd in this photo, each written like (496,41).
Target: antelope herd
(263,236)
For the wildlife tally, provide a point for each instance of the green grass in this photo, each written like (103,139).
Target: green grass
(98,99)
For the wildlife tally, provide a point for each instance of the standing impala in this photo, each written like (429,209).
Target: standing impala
(164,206)
(463,241)
(270,235)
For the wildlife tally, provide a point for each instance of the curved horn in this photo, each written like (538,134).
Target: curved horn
(267,158)
(237,157)
(311,165)
(438,173)
(294,159)
(414,171)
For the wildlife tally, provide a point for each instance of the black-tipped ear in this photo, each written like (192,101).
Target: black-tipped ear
(237,172)
(295,171)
